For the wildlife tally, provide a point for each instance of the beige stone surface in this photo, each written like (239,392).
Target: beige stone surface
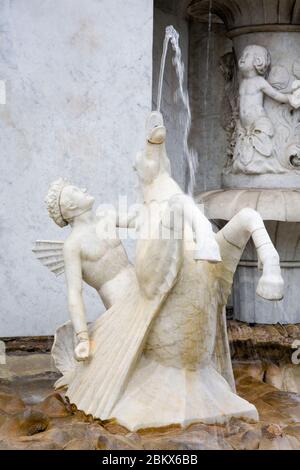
(285,378)
(52,424)
(26,365)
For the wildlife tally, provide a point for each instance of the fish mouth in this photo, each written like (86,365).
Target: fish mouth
(157,135)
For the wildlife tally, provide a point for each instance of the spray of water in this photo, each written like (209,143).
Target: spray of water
(190,155)
(206,133)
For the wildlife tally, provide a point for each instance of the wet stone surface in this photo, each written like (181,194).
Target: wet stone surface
(33,416)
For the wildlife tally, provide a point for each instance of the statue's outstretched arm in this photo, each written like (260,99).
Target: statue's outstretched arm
(293,99)
(274,94)
(73,274)
(232,240)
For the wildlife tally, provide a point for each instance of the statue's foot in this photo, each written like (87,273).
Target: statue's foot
(208,252)
(271,287)
(82,350)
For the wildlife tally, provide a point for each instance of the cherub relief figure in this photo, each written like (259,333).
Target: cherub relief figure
(253,153)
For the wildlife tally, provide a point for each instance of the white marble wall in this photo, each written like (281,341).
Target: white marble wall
(78,79)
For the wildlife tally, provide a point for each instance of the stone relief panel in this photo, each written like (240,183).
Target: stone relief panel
(260,113)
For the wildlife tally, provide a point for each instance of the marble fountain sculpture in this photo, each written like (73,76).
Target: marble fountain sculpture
(159,355)
(261,118)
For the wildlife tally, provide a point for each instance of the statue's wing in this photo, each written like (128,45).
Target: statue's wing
(50,254)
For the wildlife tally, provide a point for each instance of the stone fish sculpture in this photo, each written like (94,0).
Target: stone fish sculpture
(160,355)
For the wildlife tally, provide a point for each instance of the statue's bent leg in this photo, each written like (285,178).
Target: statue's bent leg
(246,224)
(185,209)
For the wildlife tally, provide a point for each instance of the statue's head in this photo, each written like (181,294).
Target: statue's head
(255,58)
(65,202)
(153,159)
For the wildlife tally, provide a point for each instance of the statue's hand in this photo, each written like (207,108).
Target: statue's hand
(295,85)
(82,350)
(294,98)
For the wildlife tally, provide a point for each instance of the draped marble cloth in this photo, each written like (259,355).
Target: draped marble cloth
(160,360)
